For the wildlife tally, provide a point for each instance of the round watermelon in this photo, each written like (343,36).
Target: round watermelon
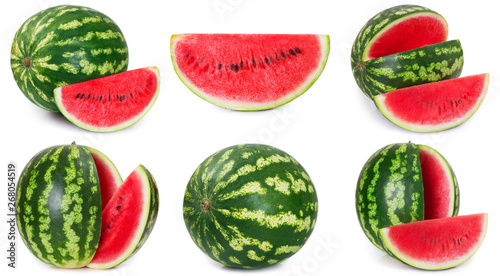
(402,183)
(250,206)
(64,45)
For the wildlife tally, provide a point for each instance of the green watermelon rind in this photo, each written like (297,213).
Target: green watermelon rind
(392,250)
(252,221)
(148,220)
(245,106)
(42,177)
(67,114)
(379,102)
(54,65)
(423,65)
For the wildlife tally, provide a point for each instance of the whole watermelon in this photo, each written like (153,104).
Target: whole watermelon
(64,45)
(58,206)
(250,206)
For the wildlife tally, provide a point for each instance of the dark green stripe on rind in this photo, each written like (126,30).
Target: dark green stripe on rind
(389,189)
(422,65)
(59,206)
(65,45)
(263,206)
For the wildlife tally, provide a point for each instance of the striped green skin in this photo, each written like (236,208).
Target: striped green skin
(58,206)
(64,45)
(390,190)
(250,206)
(422,65)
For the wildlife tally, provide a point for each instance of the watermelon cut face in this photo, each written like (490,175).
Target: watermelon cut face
(109,177)
(249,71)
(441,193)
(434,106)
(403,183)
(435,244)
(127,219)
(110,103)
(410,32)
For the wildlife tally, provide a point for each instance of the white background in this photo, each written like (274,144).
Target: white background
(332,129)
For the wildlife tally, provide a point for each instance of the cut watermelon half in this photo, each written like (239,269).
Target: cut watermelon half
(109,177)
(434,106)
(435,244)
(406,33)
(441,192)
(109,103)
(127,219)
(249,71)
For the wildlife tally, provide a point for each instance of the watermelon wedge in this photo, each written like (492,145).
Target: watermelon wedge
(109,177)
(249,71)
(109,103)
(127,219)
(434,106)
(435,244)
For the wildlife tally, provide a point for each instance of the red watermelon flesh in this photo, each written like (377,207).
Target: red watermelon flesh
(109,103)
(434,106)
(440,187)
(409,33)
(109,177)
(124,220)
(435,244)
(249,71)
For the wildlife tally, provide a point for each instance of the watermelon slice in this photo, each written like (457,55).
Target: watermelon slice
(435,244)
(441,193)
(127,219)
(109,177)
(249,71)
(434,106)
(109,103)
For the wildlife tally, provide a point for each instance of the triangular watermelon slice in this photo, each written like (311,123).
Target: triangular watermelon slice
(127,219)
(109,103)
(434,106)
(435,244)
(249,71)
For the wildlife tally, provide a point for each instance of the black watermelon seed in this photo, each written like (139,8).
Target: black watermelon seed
(277,57)
(236,68)
(118,207)
(109,227)
(100,98)
(266,60)
(131,96)
(297,50)
(120,197)
(292,52)
(253,62)
(220,66)
(78,96)
(187,55)
(122,98)
(117,97)
(283,54)
(241,64)
(109,97)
